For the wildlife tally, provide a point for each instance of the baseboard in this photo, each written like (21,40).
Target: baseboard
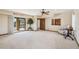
(76,41)
(51,30)
(3,34)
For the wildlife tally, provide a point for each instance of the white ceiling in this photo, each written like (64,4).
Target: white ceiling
(38,11)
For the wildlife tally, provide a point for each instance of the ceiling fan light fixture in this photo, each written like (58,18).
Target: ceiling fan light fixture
(44,12)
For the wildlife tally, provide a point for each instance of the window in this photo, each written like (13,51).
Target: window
(56,21)
(73,21)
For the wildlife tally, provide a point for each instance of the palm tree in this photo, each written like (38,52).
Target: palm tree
(30,22)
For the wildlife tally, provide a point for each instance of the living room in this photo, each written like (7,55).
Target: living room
(52,20)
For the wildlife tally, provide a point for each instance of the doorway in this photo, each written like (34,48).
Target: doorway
(19,24)
(41,23)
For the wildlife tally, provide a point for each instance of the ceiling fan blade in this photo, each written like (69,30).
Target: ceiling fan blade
(43,11)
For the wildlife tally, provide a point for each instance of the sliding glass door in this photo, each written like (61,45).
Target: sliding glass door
(19,24)
(22,24)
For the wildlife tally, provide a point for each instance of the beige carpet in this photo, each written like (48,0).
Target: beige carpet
(36,40)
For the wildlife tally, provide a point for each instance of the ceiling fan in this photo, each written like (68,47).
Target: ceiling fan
(44,11)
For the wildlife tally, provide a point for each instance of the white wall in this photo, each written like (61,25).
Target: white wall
(3,24)
(77,25)
(73,21)
(66,19)
(4,12)
(6,24)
